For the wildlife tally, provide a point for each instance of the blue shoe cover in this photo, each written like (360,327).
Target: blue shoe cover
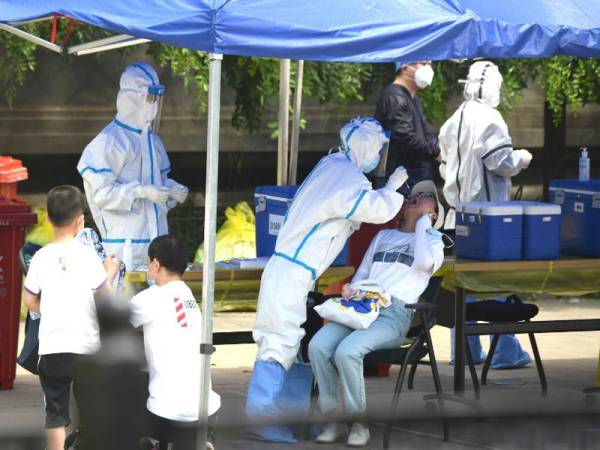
(474,343)
(509,354)
(278,433)
(264,389)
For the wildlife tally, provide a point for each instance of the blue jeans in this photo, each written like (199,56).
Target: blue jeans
(346,347)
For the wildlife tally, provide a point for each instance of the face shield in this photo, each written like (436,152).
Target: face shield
(382,166)
(364,138)
(154,100)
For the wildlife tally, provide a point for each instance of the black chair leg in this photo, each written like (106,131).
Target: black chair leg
(411,375)
(438,385)
(399,381)
(473,372)
(538,364)
(488,360)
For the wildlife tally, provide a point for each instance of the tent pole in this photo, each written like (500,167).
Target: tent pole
(284,108)
(294,147)
(30,37)
(210,231)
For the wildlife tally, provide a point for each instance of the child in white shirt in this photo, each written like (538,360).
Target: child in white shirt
(172,324)
(60,285)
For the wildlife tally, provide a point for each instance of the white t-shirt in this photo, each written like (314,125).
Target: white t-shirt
(65,275)
(172,326)
(402,263)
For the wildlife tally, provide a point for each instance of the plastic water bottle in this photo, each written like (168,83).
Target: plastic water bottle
(584,165)
(128,255)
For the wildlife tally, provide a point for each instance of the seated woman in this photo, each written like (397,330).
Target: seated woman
(402,262)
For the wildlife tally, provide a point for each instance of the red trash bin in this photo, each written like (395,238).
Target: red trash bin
(15,216)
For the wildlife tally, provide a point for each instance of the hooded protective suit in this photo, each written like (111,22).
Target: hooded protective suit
(478,162)
(478,159)
(125,171)
(328,207)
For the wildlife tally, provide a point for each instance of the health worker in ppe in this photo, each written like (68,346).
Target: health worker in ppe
(327,208)
(125,169)
(478,161)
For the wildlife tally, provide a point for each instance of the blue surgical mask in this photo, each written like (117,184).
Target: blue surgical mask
(371,165)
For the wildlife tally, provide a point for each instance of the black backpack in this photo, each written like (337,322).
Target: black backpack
(28,358)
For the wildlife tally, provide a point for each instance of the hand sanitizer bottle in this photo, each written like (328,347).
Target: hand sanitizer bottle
(584,165)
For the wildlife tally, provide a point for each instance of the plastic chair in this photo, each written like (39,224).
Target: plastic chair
(414,353)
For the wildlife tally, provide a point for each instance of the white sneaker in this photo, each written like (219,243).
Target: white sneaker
(359,435)
(331,433)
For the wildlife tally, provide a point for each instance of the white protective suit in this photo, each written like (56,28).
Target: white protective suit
(125,156)
(477,154)
(329,206)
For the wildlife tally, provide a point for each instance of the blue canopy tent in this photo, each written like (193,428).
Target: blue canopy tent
(348,30)
(321,30)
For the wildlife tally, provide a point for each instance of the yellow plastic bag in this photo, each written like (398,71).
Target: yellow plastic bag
(42,233)
(237,236)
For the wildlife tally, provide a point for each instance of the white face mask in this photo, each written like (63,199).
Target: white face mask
(369,166)
(424,76)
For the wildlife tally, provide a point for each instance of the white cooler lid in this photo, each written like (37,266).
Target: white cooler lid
(540,209)
(491,208)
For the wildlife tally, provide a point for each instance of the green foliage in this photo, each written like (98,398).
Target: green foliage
(17,58)
(574,81)
(190,65)
(255,81)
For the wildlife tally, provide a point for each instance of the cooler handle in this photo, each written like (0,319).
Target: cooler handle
(559,197)
(596,201)
(260,203)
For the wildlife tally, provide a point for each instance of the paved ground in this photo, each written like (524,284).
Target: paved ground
(518,417)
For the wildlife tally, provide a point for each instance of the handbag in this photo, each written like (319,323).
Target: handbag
(28,358)
(358,312)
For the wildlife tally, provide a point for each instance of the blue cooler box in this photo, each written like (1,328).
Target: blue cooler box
(490,231)
(541,230)
(580,221)
(270,205)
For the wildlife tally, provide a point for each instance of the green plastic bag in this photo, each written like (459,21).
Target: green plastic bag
(42,233)
(237,236)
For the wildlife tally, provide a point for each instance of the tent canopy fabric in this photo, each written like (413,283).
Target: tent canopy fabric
(343,30)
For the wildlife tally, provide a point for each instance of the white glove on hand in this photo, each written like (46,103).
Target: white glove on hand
(525,156)
(156,194)
(178,192)
(397,178)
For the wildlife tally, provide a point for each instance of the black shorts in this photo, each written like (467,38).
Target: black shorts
(57,373)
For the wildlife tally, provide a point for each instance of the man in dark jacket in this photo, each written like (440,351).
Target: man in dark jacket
(411,144)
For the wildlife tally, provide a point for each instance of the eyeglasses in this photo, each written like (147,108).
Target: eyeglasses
(418,195)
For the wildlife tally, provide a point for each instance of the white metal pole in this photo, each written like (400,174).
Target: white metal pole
(210,232)
(294,147)
(284,108)
(32,38)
